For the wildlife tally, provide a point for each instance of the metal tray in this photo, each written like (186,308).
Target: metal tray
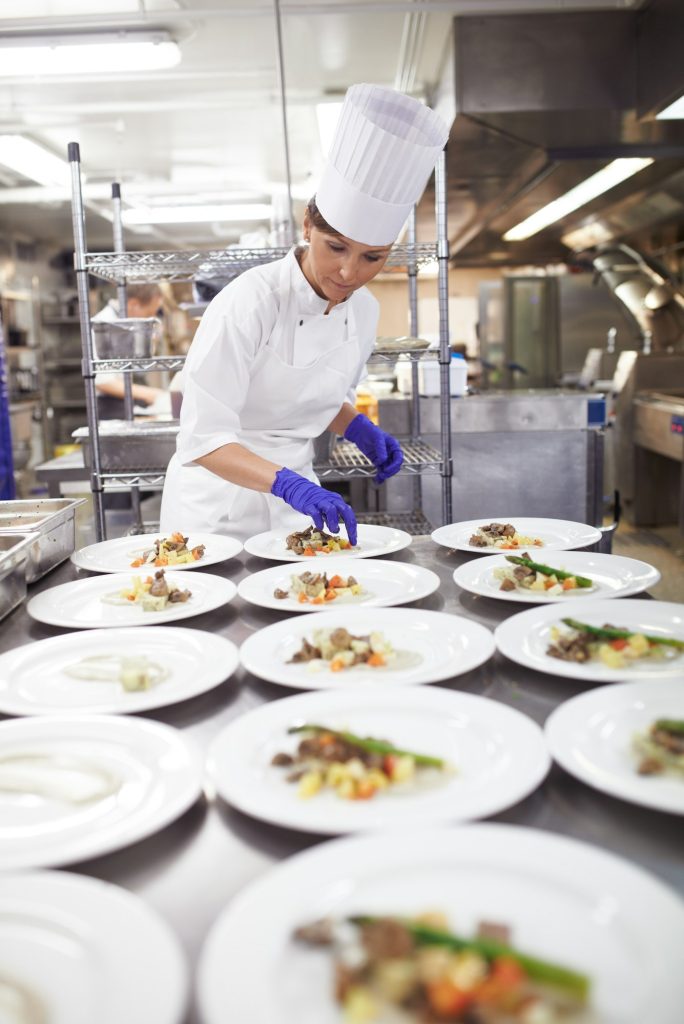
(131,447)
(14,553)
(128,338)
(52,521)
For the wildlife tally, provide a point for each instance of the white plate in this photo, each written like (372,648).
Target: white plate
(33,681)
(372,541)
(126,777)
(447,645)
(498,756)
(116,555)
(88,951)
(557,534)
(591,737)
(613,576)
(79,604)
(611,919)
(525,637)
(385,583)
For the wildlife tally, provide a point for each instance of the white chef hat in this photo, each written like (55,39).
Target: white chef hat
(385,147)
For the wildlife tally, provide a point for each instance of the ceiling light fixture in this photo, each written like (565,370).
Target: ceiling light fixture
(197,214)
(608,177)
(327,115)
(90,53)
(673,112)
(33,161)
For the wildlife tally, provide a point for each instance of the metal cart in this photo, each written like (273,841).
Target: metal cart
(121,268)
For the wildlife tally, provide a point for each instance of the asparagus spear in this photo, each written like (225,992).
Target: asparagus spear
(546,570)
(673,725)
(608,633)
(371,745)
(538,970)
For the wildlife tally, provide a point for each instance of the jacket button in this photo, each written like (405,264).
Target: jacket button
(301,323)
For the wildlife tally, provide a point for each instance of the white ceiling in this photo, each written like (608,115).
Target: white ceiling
(211,127)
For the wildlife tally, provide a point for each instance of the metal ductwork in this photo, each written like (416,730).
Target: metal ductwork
(542,102)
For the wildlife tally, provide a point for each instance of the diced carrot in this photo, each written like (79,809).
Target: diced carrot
(326,739)
(161,560)
(303,599)
(538,543)
(138,562)
(148,579)
(308,551)
(508,547)
(389,762)
(570,583)
(376,660)
(330,595)
(130,597)
(317,600)
(364,790)
(618,645)
(548,584)
(447,999)
(505,978)
(336,665)
(336,581)
(508,971)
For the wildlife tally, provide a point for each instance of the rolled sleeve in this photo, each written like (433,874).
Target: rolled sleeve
(216,375)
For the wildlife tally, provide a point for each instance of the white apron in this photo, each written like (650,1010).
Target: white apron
(286,408)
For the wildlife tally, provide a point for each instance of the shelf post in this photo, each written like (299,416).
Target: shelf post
(413,313)
(78,224)
(444,352)
(122,299)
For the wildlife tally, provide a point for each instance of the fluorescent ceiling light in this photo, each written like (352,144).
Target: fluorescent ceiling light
(33,161)
(327,114)
(92,53)
(608,177)
(196,214)
(674,112)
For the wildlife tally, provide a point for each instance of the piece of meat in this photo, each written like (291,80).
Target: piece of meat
(386,939)
(281,594)
(670,741)
(521,572)
(307,653)
(318,933)
(198,552)
(159,586)
(508,530)
(494,930)
(507,584)
(476,541)
(282,760)
(179,596)
(571,648)
(650,766)
(341,639)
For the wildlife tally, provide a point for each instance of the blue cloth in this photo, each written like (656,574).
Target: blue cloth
(325,507)
(383,450)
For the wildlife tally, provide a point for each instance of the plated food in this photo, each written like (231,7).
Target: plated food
(371,541)
(358,760)
(385,964)
(79,786)
(171,551)
(572,577)
(374,583)
(126,599)
(481,536)
(487,872)
(150,593)
(119,554)
(68,940)
(540,639)
(312,542)
(614,646)
(113,671)
(416,646)
(626,740)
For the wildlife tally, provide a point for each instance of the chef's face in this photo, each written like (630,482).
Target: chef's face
(335,266)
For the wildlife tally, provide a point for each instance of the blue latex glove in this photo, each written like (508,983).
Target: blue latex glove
(325,507)
(383,450)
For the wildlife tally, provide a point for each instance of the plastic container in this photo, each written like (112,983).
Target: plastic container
(429,376)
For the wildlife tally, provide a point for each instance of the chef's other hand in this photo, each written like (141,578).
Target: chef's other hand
(383,450)
(325,507)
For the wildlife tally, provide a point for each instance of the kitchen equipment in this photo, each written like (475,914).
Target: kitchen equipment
(429,376)
(323,446)
(51,525)
(14,551)
(128,338)
(131,447)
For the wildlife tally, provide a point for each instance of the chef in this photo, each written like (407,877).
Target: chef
(279,351)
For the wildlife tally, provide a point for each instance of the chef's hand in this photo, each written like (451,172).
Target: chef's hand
(383,450)
(325,507)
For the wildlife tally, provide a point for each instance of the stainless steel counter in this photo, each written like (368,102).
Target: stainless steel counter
(192,868)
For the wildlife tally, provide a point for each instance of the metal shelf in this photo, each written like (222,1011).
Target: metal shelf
(414,523)
(127,267)
(347,461)
(139,365)
(153,479)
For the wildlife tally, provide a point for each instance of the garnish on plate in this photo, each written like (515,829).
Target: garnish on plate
(503,536)
(152,594)
(169,551)
(134,672)
(342,650)
(319,588)
(661,749)
(312,542)
(614,647)
(354,767)
(538,578)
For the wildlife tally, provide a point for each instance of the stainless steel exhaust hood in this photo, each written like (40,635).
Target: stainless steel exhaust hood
(542,102)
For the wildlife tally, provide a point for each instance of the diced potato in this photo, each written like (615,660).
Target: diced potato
(404,769)
(433,962)
(377,779)
(309,784)
(467,970)
(396,978)
(379,645)
(638,645)
(359,1006)
(347,789)
(360,647)
(610,657)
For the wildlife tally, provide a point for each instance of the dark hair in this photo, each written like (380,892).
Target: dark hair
(317,220)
